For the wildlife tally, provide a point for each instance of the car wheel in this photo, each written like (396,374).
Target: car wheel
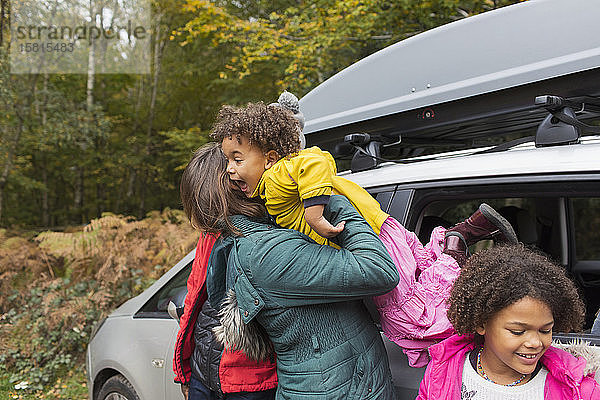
(117,388)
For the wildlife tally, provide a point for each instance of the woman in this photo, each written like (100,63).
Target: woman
(203,368)
(285,294)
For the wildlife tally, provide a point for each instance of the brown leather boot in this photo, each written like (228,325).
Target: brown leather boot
(485,223)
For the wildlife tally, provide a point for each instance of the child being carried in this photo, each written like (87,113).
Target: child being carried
(262,144)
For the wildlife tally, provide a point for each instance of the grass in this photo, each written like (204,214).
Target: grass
(72,386)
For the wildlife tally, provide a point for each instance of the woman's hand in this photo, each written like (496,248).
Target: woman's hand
(314,218)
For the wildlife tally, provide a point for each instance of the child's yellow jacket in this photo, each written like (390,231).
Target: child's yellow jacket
(311,173)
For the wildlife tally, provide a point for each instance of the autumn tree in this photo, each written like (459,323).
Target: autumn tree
(304,43)
(75,145)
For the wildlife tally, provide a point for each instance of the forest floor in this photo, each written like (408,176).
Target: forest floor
(57,285)
(72,386)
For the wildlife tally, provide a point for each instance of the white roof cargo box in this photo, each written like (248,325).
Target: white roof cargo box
(489,64)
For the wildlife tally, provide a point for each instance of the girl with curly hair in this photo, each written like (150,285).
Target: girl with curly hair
(265,160)
(505,305)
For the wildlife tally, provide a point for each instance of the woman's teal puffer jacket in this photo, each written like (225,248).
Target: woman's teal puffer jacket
(307,297)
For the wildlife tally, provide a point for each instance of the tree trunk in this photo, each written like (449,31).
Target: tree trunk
(320,77)
(8,163)
(45,209)
(138,103)
(136,125)
(3,7)
(159,45)
(44,116)
(100,199)
(79,169)
(78,197)
(131,183)
(142,205)
(91,71)
(4,18)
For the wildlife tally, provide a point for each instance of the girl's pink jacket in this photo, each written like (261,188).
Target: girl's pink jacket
(443,377)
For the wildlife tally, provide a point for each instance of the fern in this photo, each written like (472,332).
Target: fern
(58,284)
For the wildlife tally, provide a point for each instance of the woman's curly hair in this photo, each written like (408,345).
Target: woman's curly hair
(495,278)
(269,127)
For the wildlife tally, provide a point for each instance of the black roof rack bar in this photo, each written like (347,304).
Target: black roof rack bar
(551,102)
(561,126)
(556,106)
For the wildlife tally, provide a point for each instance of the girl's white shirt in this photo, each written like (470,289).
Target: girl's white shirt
(475,387)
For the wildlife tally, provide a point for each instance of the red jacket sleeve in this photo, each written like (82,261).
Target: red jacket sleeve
(184,346)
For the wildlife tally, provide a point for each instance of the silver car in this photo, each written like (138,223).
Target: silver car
(130,354)
(551,195)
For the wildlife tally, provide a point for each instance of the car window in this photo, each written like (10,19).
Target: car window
(586,220)
(383,196)
(535,220)
(561,226)
(156,307)
(586,269)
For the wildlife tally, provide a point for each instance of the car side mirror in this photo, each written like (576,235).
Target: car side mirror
(176,304)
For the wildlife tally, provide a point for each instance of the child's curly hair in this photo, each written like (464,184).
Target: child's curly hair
(208,198)
(269,127)
(495,278)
